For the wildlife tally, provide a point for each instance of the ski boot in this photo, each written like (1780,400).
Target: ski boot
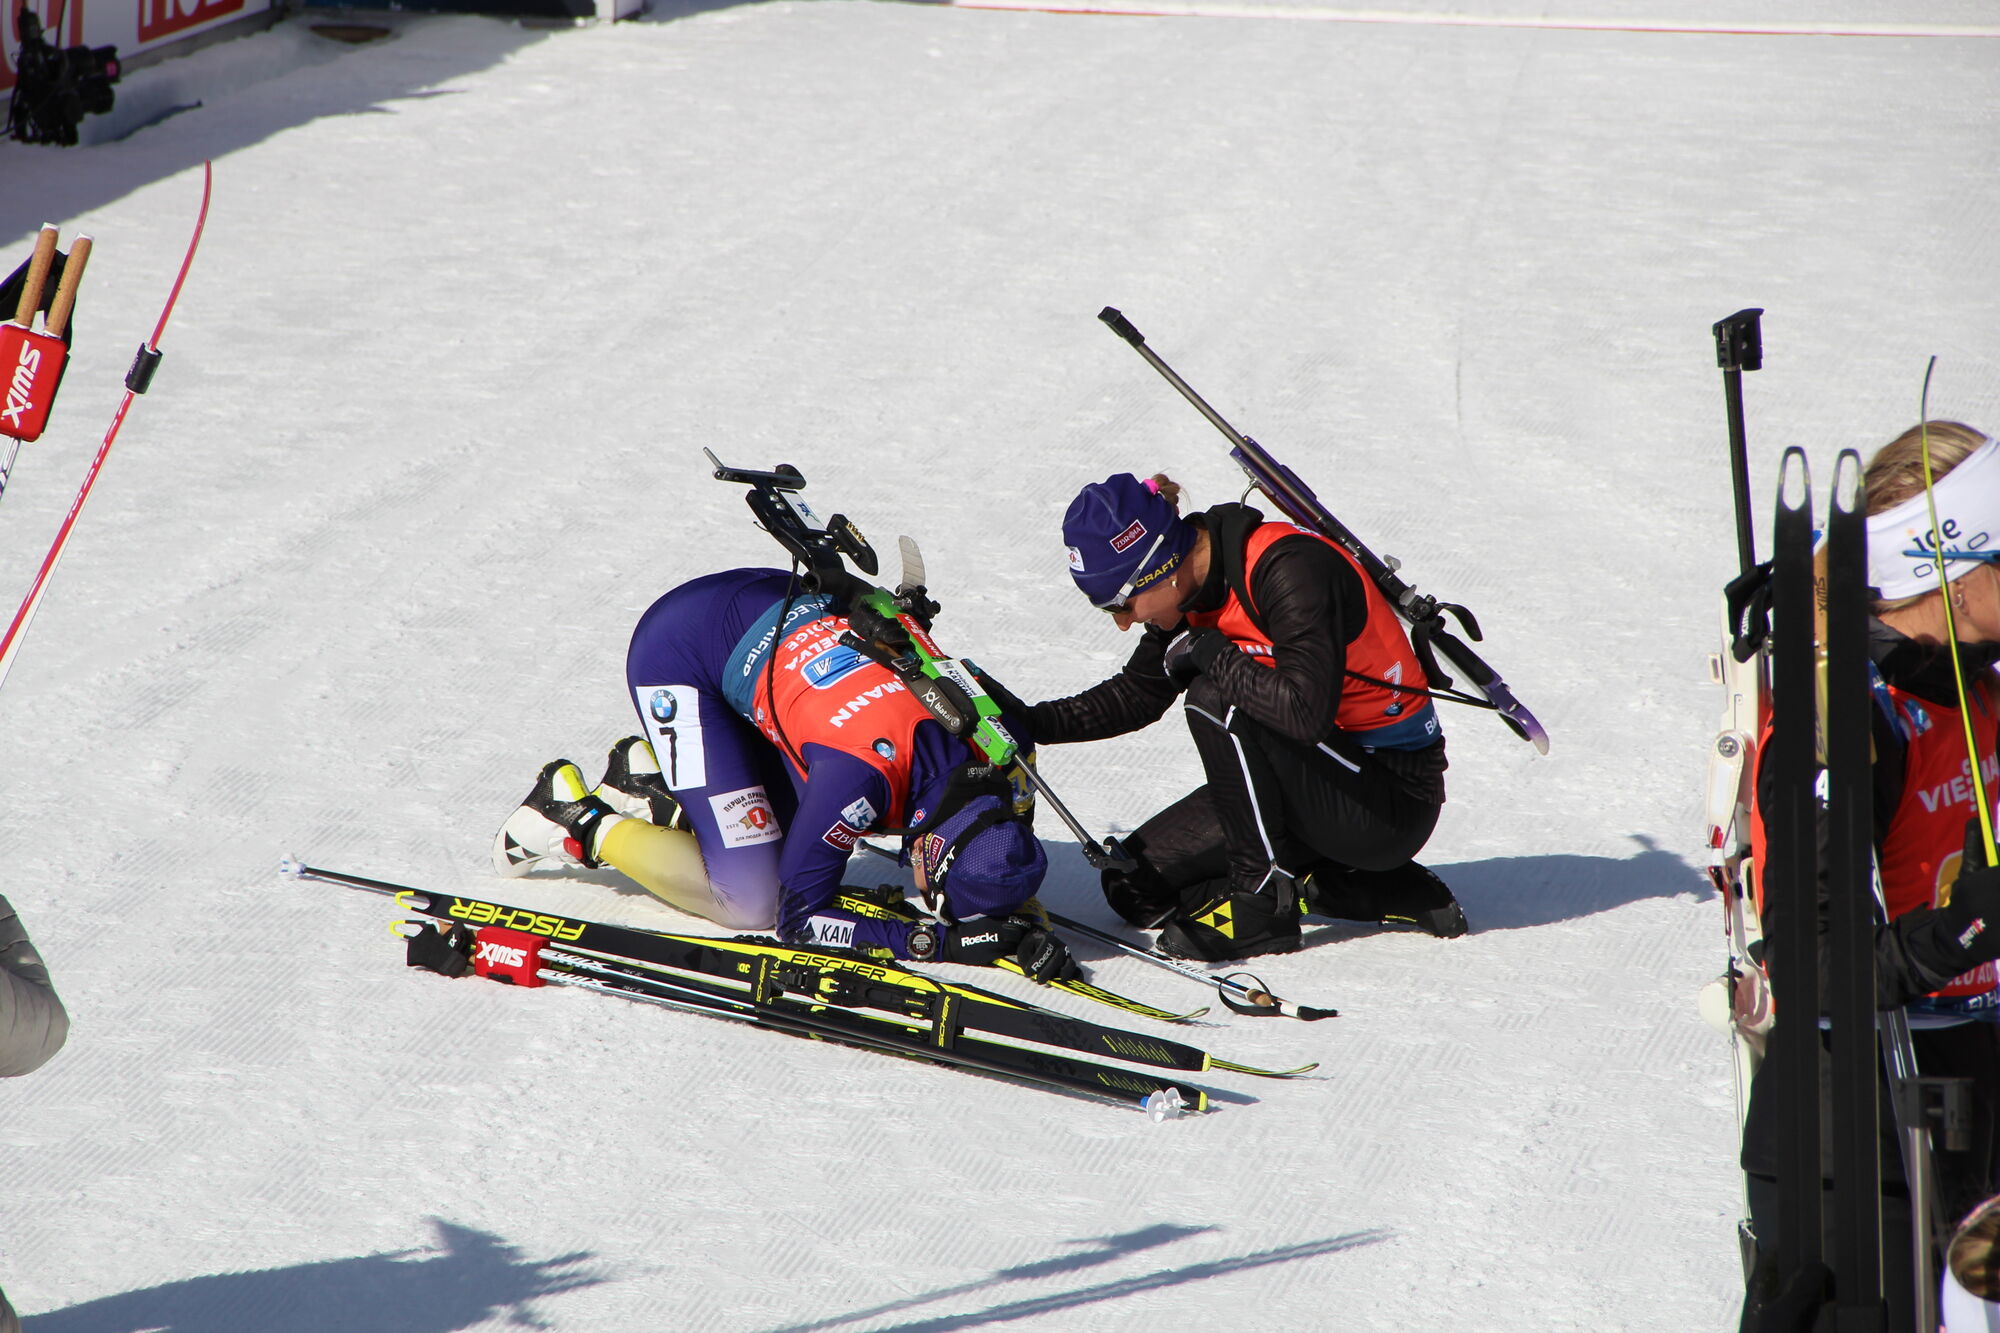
(560,822)
(1235,924)
(632,785)
(1409,895)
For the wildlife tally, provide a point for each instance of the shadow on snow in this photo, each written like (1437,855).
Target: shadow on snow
(1509,892)
(1103,1250)
(1504,893)
(470,1279)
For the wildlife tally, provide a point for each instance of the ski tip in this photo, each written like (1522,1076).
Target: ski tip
(290,867)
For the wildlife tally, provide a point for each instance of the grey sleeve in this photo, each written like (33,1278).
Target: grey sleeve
(33,1023)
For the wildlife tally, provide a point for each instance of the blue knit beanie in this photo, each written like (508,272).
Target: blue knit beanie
(989,873)
(1123,537)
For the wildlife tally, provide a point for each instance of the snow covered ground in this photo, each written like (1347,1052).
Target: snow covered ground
(428,436)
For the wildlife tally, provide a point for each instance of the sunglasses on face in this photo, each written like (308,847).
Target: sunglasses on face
(1121,601)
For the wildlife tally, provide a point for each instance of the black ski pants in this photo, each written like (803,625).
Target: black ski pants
(1272,800)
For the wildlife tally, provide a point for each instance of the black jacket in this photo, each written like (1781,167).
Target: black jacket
(1311,603)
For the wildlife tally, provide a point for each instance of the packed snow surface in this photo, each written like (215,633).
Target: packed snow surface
(429,435)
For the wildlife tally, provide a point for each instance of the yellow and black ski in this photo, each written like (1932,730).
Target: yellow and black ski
(761,973)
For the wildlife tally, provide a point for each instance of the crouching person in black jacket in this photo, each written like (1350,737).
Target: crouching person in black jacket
(1322,752)
(33,1024)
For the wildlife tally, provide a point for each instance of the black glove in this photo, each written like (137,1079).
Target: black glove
(1972,918)
(984,941)
(1009,701)
(1193,652)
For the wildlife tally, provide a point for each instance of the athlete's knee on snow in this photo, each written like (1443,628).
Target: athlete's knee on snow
(668,864)
(743,883)
(1141,895)
(756,912)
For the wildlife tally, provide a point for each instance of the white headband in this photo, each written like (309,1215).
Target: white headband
(1900,563)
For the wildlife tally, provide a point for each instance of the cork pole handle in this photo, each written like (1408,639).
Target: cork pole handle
(38,275)
(65,302)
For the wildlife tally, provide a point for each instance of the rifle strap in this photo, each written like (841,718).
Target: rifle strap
(1236,574)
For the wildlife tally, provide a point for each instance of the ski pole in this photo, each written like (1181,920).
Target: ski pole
(1258,1000)
(1942,555)
(137,380)
(1109,854)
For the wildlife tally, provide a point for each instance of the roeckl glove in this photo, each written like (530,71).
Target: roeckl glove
(984,941)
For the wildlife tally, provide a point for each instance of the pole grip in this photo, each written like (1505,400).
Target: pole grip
(38,276)
(65,302)
(1121,326)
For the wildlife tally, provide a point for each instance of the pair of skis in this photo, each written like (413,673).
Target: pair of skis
(1820,711)
(1795,657)
(841,996)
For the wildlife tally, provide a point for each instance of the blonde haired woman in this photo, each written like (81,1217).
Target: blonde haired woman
(1936,953)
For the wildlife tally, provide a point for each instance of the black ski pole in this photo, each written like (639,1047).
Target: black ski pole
(1739,346)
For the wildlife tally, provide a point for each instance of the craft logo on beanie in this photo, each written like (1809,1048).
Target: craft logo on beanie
(1122,537)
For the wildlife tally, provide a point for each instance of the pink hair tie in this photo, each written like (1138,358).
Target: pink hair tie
(1152,485)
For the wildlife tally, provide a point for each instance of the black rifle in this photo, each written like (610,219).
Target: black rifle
(893,629)
(1429,631)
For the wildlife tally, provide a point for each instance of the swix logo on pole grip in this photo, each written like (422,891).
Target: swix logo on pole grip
(30,368)
(513,956)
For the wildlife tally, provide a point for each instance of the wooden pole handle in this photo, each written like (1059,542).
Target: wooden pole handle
(38,275)
(65,302)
